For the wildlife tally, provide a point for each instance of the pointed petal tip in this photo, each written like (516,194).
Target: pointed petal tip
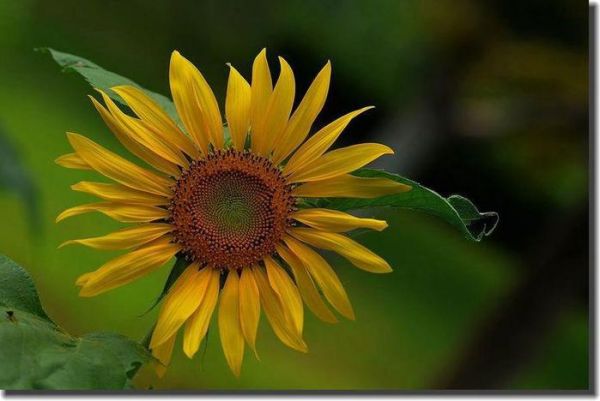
(386,150)
(232,69)
(261,55)
(189,352)
(299,345)
(69,242)
(326,70)
(284,64)
(72,136)
(256,353)
(304,348)
(382,226)
(175,61)
(101,92)
(117,88)
(362,110)
(382,268)
(348,312)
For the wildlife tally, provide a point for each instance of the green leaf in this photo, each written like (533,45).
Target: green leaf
(131,354)
(17,290)
(37,354)
(100,78)
(456,210)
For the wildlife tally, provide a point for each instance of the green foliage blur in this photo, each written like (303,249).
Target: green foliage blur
(485,99)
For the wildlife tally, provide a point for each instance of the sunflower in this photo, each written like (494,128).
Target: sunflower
(234,207)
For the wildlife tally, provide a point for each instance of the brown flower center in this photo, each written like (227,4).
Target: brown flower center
(230,209)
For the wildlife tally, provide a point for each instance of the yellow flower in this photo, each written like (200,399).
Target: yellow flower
(231,209)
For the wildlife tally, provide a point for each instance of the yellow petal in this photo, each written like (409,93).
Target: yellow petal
(262,88)
(335,221)
(72,160)
(130,140)
(119,211)
(360,256)
(278,110)
(184,97)
(349,186)
(125,238)
(230,330)
(181,301)
(163,354)
(318,144)
(197,325)
(81,280)
(142,133)
(237,108)
(284,287)
(324,275)
(195,102)
(249,307)
(275,315)
(303,118)
(150,112)
(307,288)
(128,267)
(340,161)
(117,168)
(119,193)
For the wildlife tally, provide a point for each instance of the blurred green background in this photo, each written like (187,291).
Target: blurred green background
(485,99)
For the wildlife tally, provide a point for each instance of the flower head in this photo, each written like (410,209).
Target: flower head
(231,207)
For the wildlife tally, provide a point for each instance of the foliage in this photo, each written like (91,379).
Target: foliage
(102,79)
(38,354)
(456,210)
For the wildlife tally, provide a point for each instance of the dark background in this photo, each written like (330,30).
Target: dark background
(485,99)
